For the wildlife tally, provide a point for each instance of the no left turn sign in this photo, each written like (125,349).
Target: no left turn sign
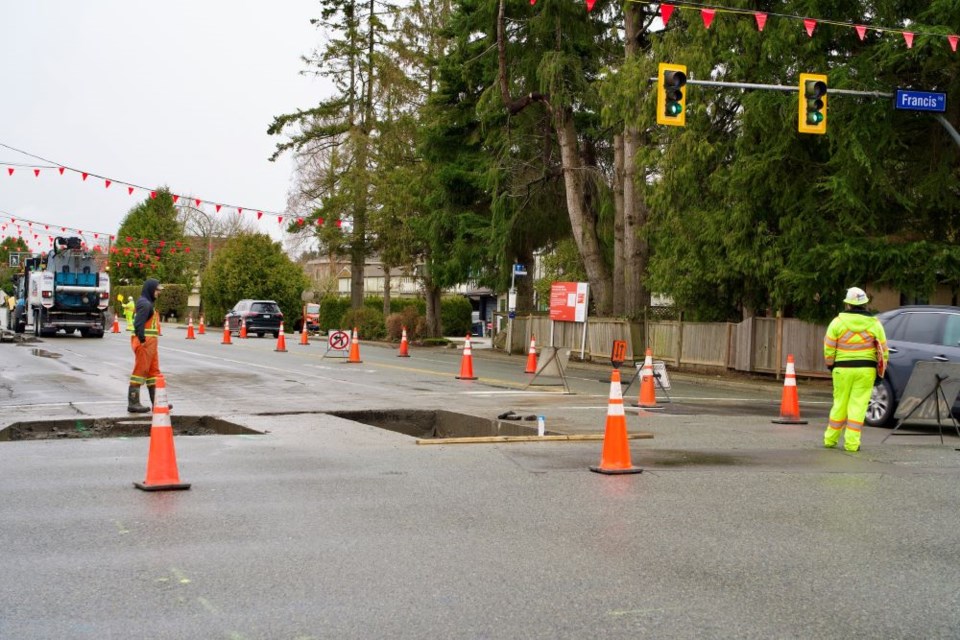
(339,340)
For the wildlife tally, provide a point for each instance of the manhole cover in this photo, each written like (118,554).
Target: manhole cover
(118,427)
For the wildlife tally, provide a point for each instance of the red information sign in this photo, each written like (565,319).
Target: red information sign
(568,301)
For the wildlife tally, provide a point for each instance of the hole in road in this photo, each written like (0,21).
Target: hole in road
(118,427)
(439,424)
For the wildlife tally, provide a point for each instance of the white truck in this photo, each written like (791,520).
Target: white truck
(63,289)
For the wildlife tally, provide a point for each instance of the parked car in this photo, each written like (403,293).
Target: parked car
(313,319)
(260,316)
(914,334)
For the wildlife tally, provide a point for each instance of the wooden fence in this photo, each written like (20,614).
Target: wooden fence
(756,345)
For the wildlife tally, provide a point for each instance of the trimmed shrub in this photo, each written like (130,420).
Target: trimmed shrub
(455,314)
(368,321)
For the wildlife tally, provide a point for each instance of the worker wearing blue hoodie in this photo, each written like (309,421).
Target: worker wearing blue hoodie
(146,364)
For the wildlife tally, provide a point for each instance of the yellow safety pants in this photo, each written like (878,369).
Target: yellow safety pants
(852,387)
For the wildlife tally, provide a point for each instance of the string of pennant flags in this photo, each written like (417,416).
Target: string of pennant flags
(709,12)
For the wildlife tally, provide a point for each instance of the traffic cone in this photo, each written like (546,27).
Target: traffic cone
(243,328)
(404,345)
(354,349)
(304,339)
(162,472)
(116,325)
(201,329)
(226,333)
(532,356)
(790,401)
(466,362)
(190,335)
(281,340)
(615,456)
(648,389)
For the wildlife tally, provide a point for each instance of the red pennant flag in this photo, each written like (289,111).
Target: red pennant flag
(186,249)
(61,170)
(106,184)
(163,243)
(153,195)
(9,171)
(590,4)
(158,251)
(140,264)
(300,221)
(130,191)
(218,208)
(666,10)
(707,15)
(810,24)
(259,214)
(175,198)
(533,2)
(128,238)
(761,20)
(85,175)
(239,210)
(145,241)
(953,42)
(197,201)
(319,222)
(861,31)
(279,219)
(909,39)
(36,173)
(339,223)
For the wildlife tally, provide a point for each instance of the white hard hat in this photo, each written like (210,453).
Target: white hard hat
(856,296)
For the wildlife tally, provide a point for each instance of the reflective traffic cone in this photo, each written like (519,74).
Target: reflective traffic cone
(190,335)
(532,356)
(304,339)
(648,390)
(116,325)
(404,345)
(281,340)
(162,472)
(615,456)
(201,329)
(466,362)
(226,333)
(354,349)
(790,401)
(243,328)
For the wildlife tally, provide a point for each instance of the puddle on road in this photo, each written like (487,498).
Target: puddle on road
(118,428)
(43,353)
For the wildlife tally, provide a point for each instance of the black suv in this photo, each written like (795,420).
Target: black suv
(260,316)
(914,334)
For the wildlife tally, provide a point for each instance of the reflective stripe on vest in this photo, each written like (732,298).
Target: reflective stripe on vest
(151,328)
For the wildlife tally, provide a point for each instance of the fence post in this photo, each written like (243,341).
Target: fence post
(779,346)
(679,338)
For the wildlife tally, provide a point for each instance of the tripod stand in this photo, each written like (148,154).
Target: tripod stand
(936,394)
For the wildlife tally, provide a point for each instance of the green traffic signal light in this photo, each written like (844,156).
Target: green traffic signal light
(671,103)
(813,103)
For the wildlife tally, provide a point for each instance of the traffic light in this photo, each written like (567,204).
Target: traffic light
(671,102)
(813,103)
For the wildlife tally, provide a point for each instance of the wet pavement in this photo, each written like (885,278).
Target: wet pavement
(321,527)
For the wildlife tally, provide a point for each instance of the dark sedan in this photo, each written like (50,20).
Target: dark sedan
(260,316)
(914,334)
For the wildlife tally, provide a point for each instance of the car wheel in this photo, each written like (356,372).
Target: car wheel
(882,405)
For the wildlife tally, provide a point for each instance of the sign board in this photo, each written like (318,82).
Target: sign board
(919,403)
(338,340)
(568,301)
(619,353)
(908,100)
(519,270)
(660,374)
(512,300)
(16,257)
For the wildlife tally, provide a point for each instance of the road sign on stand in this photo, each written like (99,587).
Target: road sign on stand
(338,341)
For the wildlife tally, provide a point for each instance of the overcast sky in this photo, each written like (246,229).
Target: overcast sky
(176,93)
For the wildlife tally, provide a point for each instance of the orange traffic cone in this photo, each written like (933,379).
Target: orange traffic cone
(648,390)
(404,345)
(354,349)
(162,472)
(790,401)
(116,325)
(532,356)
(615,457)
(281,340)
(466,362)
(304,339)
(226,333)
(243,328)
(201,329)
(190,335)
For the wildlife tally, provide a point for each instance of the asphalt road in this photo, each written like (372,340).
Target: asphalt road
(323,527)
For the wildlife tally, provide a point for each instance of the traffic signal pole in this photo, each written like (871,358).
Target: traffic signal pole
(843,92)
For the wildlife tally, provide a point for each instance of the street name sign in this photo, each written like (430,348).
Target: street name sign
(908,100)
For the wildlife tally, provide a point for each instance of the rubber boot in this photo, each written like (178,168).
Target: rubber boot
(133,400)
(153,393)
